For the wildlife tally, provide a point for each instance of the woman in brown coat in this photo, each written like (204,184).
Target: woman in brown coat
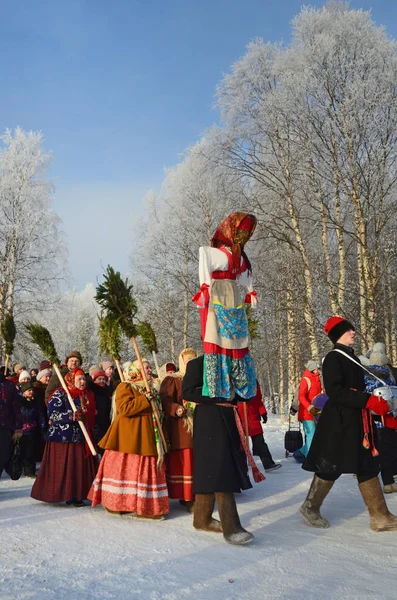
(131,475)
(178,423)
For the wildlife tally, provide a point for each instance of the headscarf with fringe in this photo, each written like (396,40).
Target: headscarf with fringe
(135,379)
(184,357)
(234,232)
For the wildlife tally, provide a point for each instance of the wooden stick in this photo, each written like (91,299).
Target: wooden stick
(246,422)
(6,365)
(72,404)
(152,403)
(120,372)
(156,364)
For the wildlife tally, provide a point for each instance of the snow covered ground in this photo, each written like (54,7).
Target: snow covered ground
(56,552)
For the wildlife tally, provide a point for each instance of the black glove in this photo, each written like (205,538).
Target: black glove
(264,418)
(292,411)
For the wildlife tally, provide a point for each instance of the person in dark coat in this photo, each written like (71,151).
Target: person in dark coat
(10,418)
(219,467)
(33,428)
(103,402)
(345,437)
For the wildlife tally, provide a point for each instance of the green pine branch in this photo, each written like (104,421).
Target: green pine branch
(42,338)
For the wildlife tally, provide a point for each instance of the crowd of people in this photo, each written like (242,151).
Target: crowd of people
(184,434)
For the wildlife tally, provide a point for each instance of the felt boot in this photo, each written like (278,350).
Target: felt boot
(310,509)
(233,532)
(389,488)
(188,504)
(380,517)
(202,513)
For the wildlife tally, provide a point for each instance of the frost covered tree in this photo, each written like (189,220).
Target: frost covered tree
(32,250)
(307,142)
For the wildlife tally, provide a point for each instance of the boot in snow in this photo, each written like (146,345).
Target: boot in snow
(202,513)
(233,532)
(380,517)
(310,509)
(390,488)
(188,504)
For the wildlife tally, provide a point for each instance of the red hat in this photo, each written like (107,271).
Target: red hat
(332,322)
(336,326)
(99,373)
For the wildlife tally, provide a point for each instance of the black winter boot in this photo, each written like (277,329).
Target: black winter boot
(310,509)
(233,532)
(202,513)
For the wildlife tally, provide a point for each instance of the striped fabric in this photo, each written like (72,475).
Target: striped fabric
(180,474)
(130,483)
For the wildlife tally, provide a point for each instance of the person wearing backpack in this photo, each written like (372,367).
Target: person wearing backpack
(310,386)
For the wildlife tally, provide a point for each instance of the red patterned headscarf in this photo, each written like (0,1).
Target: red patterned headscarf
(71,377)
(234,232)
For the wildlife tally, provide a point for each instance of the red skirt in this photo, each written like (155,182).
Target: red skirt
(180,474)
(130,483)
(65,473)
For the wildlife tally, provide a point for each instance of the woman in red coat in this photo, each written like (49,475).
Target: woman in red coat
(310,386)
(255,410)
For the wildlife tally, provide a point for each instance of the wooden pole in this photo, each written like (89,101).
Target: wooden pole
(152,403)
(6,365)
(120,372)
(72,404)
(246,422)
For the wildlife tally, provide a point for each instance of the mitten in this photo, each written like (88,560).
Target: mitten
(264,418)
(378,405)
(292,411)
(390,421)
(79,415)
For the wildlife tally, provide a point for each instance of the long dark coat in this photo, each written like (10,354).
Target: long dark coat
(219,464)
(337,445)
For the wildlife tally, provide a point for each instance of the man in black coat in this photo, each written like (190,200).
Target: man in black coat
(345,438)
(219,468)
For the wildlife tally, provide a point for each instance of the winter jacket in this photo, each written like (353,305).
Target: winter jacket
(307,393)
(61,425)
(219,465)
(103,403)
(10,408)
(31,416)
(39,393)
(337,445)
(171,397)
(132,430)
(255,408)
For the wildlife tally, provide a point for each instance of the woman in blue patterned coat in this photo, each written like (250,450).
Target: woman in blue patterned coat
(68,468)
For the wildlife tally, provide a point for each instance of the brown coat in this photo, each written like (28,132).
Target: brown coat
(132,430)
(171,397)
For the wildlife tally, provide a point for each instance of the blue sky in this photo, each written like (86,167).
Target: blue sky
(119,90)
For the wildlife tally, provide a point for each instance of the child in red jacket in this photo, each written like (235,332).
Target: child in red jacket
(256,410)
(310,386)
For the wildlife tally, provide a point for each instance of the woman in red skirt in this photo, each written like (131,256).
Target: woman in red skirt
(179,426)
(68,467)
(131,475)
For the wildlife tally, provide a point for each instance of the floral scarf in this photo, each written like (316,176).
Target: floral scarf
(234,232)
(87,402)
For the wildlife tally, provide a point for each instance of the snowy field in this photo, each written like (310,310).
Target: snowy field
(55,552)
